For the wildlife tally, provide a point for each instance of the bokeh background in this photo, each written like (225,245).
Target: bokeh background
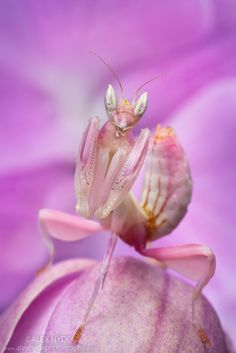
(50,86)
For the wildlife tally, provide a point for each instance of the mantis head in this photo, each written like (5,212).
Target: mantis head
(123,114)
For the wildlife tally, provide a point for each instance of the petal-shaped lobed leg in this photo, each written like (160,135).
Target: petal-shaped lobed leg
(168,185)
(99,283)
(63,226)
(194,261)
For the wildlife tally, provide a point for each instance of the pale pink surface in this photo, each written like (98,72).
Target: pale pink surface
(141,309)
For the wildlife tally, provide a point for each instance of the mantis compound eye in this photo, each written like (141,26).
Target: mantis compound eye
(141,105)
(110,99)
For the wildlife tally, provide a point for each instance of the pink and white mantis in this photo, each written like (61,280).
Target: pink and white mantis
(109,161)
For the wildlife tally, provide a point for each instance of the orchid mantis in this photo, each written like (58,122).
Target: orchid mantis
(108,163)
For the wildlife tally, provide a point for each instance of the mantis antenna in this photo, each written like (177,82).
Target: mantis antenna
(110,69)
(152,79)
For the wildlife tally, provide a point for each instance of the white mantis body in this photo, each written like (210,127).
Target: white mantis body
(109,161)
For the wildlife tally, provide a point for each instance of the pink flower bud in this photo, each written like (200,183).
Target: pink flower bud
(140,309)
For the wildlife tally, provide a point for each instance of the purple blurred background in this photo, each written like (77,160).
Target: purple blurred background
(50,86)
